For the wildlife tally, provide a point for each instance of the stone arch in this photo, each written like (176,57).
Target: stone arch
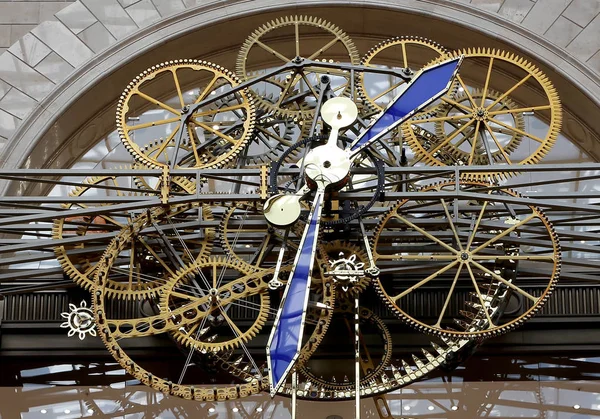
(60,119)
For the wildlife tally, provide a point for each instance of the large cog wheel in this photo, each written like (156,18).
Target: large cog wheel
(466,244)
(460,149)
(183,312)
(478,122)
(216,133)
(407,52)
(298,87)
(213,281)
(79,260)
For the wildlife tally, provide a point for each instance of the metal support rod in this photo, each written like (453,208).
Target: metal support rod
(294,393)
(357,358)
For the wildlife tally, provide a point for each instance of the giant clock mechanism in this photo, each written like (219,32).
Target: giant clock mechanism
(297,217)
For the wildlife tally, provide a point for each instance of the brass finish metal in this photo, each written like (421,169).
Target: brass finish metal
(409,52)
(297,83)
(478,118)
(209,133)
(455,250)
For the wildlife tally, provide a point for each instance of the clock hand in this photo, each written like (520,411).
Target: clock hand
(428,85)
(326,166)
(283,347)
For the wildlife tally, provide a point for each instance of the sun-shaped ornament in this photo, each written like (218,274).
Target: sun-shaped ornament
(79,320)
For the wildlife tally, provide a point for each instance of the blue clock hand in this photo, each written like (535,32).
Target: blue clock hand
(285,341)
(428,85)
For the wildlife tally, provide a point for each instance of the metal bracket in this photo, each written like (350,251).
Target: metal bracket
(165,186)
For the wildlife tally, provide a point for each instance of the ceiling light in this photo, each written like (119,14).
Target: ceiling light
(67,411)
(43,411)
(576,407)
(211,410)
(406,407)
(454,407)
(90,410)
(235,410)
(430,408)
(259,409)
(216,127)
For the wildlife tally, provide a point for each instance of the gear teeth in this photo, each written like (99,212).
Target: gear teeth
(219,161)
(554,124)
(245,74)
(402,41)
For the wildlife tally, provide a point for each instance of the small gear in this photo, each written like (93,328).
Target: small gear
(79,320)
(245,235)
(298,85)
(273,135)
(472,248)
(215,133)
(346,258)
(408,52)
(511,88)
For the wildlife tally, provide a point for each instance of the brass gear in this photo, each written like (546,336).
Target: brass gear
(292,79)
(244,225)
(343,255)
(518,80)
(415,52)
(509,141)
(371,370)
(491,237)
(211,277)
(140,260)
(229,122)
(273,135)
(176,319)
(79,260)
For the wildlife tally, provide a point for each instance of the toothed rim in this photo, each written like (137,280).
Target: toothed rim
(198,65)
(388,43)
(498,330)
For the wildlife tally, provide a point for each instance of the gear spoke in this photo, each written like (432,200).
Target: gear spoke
(490,266)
